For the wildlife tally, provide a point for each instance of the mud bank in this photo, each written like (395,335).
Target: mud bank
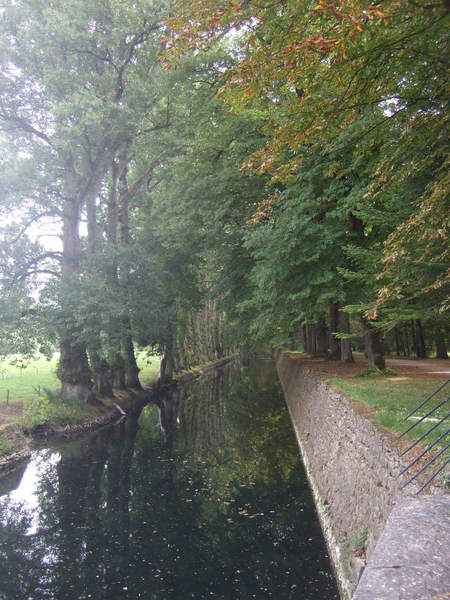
(14,447)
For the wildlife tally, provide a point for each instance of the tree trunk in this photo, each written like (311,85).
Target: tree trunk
(401,339)
(421,348)
(131,368)
(217,342)
(397,341)
(166,365)
(346,346)
(304,338)
(335,347)
(118,369)
(408,351)
(73,369)
(102,375)
(416,349)
(127,346)
(212,329)
(118,372)
(321,337)
(374,348)
(162,368)
(100,367)
(441,348)
(309,336)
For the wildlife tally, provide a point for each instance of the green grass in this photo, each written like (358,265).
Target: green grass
(391,398)
(70,411)
(376,372)
(24,382)
(359,539)
(5,447)
(149,365)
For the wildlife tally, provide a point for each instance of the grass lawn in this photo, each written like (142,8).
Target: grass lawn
(25,383)
(149,366)
(391,398)
(25,380)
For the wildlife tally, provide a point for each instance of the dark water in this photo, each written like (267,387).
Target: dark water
(203,496)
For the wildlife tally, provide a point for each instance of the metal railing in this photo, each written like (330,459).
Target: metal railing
(441,440)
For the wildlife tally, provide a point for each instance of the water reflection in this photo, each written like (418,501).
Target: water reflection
(198,496)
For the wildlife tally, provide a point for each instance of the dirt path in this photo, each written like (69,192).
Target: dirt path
(411,367)
(430,367)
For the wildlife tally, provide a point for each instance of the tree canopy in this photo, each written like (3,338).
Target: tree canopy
(183,173)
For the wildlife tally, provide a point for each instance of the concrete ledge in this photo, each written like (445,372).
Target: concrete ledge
(411,560)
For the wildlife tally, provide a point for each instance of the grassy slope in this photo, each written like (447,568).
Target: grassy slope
(392,398)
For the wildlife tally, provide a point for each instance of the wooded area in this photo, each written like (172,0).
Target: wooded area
(200,176)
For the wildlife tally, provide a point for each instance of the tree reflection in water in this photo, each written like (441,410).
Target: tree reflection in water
(200,495)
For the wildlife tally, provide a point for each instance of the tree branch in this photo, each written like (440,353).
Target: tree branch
(24,126)
(128,54)
(138,183)
(28,224)
(24,271)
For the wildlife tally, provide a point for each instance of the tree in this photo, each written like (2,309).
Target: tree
(78,84)
(191,223)
(317,68)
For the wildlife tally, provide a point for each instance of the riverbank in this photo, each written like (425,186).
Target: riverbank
(14,446)
(17,435)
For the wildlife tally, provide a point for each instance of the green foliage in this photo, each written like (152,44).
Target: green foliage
(37,410)
(54,408)
(358,539)
(149,367)
(356,92)
(347,137)
(80,82)
(190,230)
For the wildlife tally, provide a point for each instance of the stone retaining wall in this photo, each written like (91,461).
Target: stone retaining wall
(351,468)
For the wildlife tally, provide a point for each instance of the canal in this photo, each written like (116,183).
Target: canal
(201,494)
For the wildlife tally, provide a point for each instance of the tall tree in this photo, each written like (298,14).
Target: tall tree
(78,83)
(191,224)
